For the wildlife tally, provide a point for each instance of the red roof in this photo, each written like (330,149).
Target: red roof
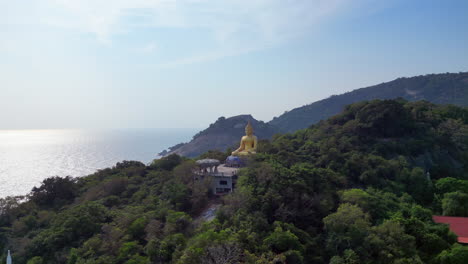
(458,225)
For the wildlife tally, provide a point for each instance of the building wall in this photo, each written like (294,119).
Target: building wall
(222,184)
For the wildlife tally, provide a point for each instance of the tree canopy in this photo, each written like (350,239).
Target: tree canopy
(360,187)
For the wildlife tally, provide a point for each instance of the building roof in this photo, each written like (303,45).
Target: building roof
(226,171)
(458,225)
(208,162)
(221,171)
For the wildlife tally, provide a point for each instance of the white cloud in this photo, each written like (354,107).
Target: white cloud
(236,26)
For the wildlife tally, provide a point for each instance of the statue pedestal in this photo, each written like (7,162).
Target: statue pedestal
(237,161)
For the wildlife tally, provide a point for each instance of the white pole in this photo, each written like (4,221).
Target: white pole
(8,259)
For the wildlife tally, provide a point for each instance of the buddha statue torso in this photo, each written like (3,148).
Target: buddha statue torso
(248,144)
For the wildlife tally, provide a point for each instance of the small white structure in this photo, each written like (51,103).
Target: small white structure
(224,181)
(208,165)
(8,259)
(222,184)
(223,178)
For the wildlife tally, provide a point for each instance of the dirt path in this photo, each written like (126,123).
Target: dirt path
(209,213)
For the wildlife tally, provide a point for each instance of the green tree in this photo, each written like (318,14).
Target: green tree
(35,260)
(129,249)
(357,197)
(55,191)
(281,241)
(346,228)
(458,254)
(455,204)
(388,243)
(137,259)
(419,186)
(166,163)
(137,228)
(450,184)
(73,257)
(349,257)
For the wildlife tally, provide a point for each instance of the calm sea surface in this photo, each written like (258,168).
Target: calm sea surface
(29,156)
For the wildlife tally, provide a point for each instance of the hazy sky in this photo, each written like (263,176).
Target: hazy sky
(184,63)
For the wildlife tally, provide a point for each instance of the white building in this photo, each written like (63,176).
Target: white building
(223,178)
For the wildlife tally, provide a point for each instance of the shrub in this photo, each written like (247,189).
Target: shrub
(55,191)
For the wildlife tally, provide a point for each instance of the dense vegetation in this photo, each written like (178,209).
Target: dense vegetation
(447,88)
(360,187)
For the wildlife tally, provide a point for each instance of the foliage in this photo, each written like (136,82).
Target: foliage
(456,255)
(216,154)
(167,163)
(455,204)
(360,187)
(54,191)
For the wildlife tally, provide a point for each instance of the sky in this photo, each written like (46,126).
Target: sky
(184,63)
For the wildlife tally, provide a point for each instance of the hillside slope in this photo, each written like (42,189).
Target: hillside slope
(222,134)
(350,189)
(447,88)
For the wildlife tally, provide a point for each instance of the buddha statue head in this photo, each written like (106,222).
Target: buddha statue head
(249,129)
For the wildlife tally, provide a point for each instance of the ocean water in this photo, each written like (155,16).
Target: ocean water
(29,156)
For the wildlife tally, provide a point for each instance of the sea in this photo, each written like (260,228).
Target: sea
(27,157)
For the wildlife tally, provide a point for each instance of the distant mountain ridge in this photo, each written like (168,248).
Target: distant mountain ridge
(445,88)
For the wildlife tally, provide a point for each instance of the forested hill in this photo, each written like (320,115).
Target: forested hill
(448,88)
(360,187)
(222,134)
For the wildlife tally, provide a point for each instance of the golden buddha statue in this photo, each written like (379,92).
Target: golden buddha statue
(248,144)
